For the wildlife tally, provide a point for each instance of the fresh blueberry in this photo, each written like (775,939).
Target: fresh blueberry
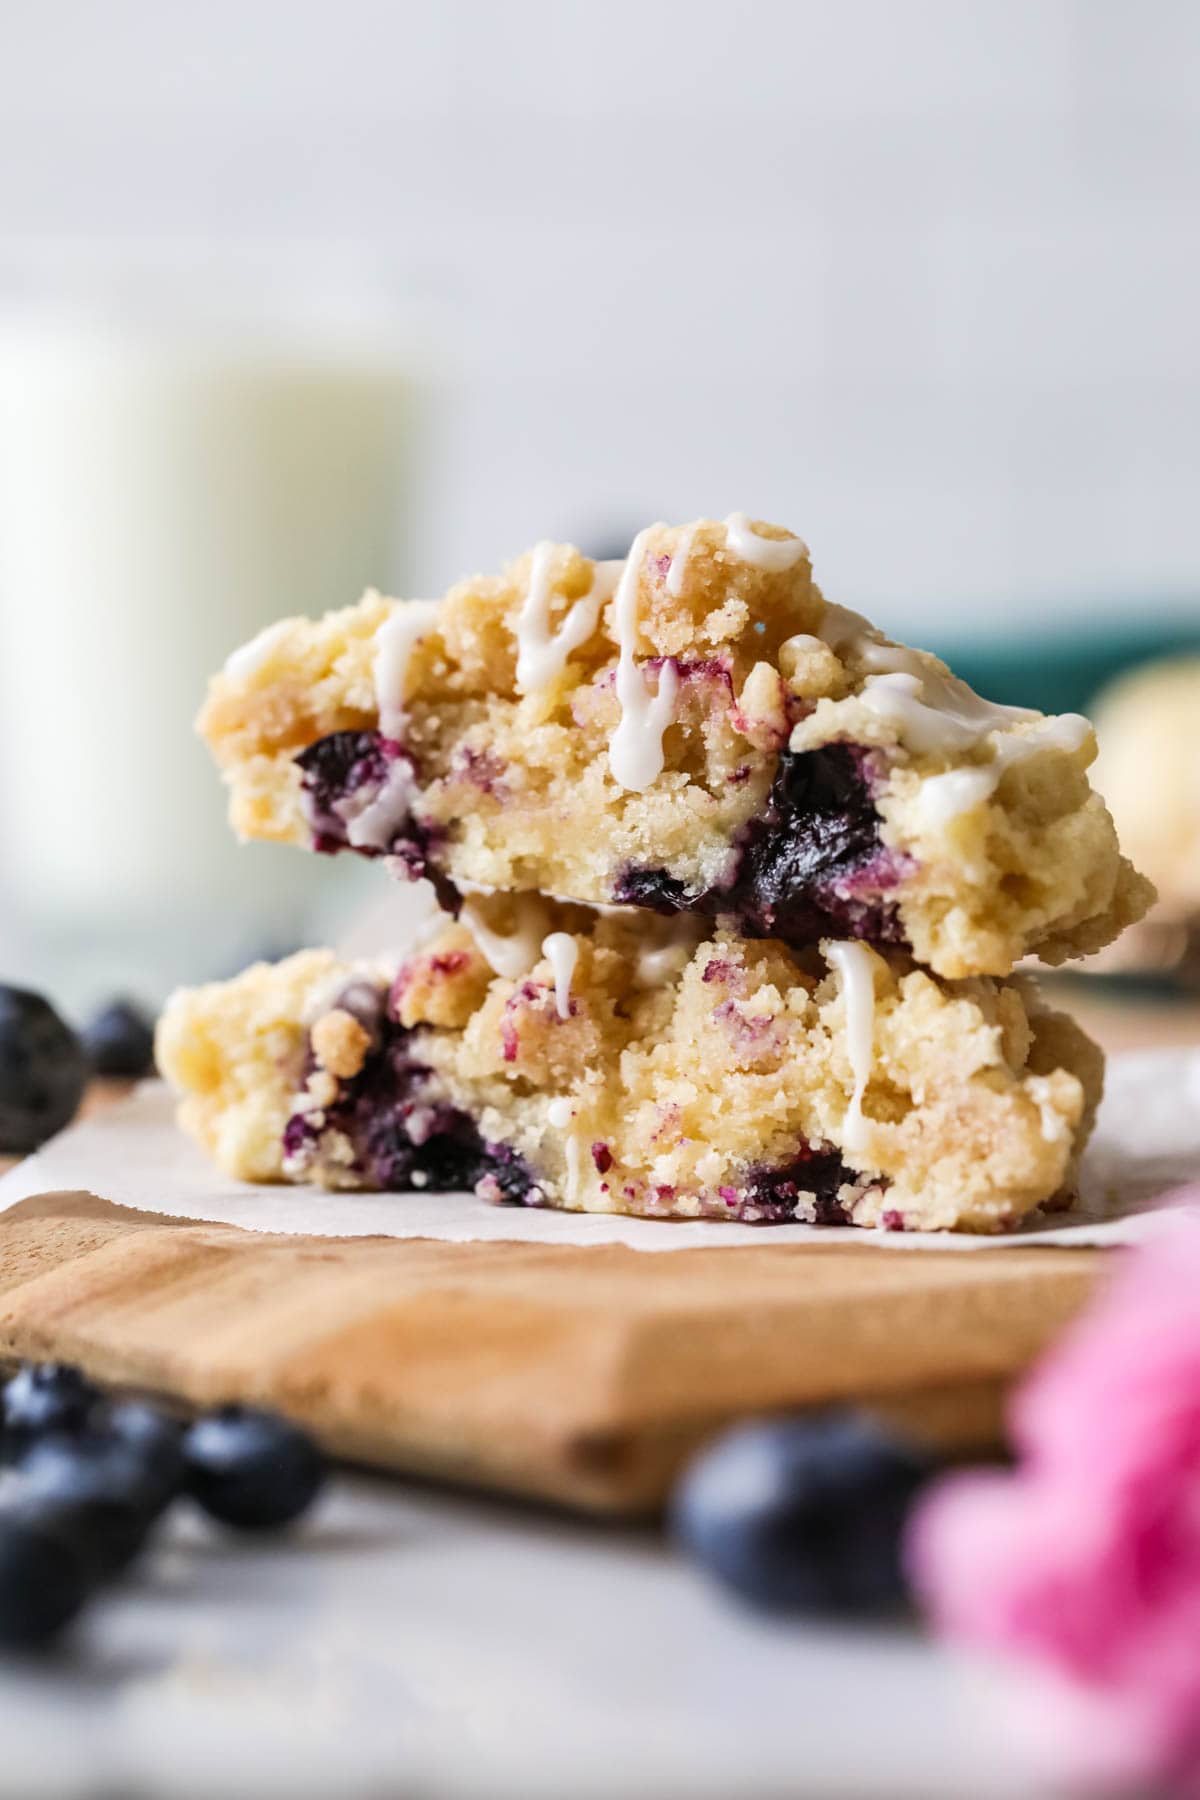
(43,1069)
(107,1493)
(803,1515)
(252,1469)
(154,1436)
(44,1397)
(44,1579)
(119,1040)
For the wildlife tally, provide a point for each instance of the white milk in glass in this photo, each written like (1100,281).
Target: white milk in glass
(162,497)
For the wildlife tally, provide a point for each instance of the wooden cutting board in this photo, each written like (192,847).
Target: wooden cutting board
(583,1376)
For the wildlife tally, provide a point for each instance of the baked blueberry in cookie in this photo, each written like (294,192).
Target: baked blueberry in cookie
(812,864)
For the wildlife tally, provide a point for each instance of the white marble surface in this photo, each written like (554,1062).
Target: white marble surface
(425,1643)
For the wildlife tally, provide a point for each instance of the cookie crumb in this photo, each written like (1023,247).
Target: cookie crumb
(340,1043)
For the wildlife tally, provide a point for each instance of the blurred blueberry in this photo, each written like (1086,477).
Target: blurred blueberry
(154,1437)
(104,1492)
(803,1514)
(251,1469)
(44,1579)
(43,1070)
(119,1040)
(43,1397)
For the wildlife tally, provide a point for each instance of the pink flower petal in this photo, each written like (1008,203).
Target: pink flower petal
(1085,1560)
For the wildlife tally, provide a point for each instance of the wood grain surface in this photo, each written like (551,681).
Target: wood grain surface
(582,1376)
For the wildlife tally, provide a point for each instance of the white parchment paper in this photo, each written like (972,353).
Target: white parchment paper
(1147,1143)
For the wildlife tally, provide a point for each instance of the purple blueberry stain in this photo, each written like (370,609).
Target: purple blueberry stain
(531,996)
(806,1187)
(717,671)
(657,891)
(339,768)
(299,1136)
(719,968)
(669,1115)
(444,965)
(753,1033)
(702,669)
(811,1180)
(345,774)
(483,769)
(811,865)
(401,1133)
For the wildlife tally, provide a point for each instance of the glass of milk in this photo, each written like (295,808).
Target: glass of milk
(182,459)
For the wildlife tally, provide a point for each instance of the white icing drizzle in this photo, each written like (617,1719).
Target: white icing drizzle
(562,953)
(542,653)
(249,658)
(944,797)
(373,826)
(514,953)
(654,967)
(395,641)
(854,965)
(669,952)
(774,554)
(559,1114)
(933,713)
(841,628)
(803,643)
(635,750)
(679,562)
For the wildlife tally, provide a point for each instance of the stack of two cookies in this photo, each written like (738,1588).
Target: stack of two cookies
(733,886)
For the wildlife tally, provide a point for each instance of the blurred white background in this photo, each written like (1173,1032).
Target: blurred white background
(918,277)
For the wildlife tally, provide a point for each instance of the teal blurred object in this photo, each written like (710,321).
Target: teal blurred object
(1063,671)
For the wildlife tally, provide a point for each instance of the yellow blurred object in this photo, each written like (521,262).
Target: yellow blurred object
(1148,726)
